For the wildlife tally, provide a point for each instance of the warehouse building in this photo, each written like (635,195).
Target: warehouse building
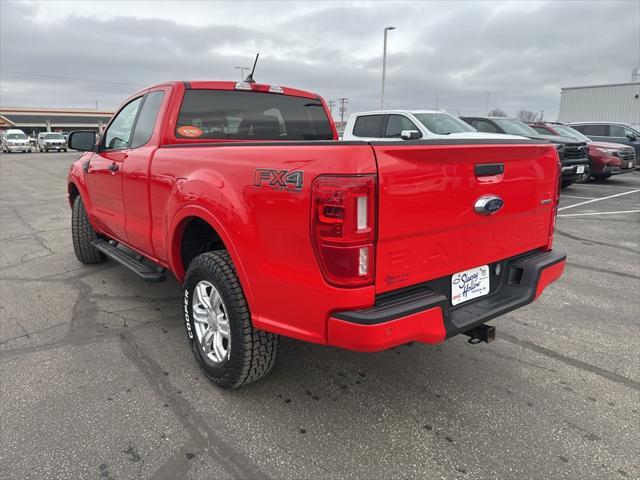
(618,102)
(34,120)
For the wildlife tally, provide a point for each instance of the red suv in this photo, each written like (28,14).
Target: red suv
(606,158)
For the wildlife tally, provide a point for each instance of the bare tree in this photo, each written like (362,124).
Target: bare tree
(496,112)
(527,116)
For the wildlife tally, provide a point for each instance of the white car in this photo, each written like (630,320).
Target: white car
(394,125)
(15,141)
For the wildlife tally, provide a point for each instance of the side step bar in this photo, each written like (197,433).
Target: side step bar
(135,264)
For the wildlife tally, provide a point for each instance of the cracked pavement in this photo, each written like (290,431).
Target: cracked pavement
(97,380)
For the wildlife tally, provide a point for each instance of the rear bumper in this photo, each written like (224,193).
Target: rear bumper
(423,313)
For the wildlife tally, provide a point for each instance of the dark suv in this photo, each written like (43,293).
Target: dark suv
(610,132)
(572,153)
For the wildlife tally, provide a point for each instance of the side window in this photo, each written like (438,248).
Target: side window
(628,131)
(147,118)
(596,130)
(579,128)
(541,130)
(119,132)
(367,126)
(616,131)
(396,124)
(484,126)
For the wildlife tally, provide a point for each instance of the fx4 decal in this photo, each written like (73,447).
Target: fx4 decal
(279,179)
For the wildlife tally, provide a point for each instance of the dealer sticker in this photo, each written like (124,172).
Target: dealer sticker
(469,284)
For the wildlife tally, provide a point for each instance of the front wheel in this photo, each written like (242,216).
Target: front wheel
(83,235)
(229,349)
(601,176)
(566,183)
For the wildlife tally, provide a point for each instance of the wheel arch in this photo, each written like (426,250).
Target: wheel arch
(192,219)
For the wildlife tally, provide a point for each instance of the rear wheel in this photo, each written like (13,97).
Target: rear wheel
(83,235)
(229,349)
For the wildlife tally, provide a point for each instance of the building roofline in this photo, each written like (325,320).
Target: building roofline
(73,111)
(605,85)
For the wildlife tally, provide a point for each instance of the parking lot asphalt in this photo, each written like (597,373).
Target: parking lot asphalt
(97,380)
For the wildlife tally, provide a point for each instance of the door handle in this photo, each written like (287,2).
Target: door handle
(114,167)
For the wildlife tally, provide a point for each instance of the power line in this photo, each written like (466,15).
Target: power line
(72,78)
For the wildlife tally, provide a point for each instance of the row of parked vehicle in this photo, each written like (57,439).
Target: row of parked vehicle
(15,140)
(586,150)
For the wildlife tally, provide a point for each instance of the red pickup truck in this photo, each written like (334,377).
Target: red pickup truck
(244,193)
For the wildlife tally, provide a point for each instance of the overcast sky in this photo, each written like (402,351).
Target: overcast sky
(70,54)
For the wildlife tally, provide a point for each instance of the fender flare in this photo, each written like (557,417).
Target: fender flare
(174,235)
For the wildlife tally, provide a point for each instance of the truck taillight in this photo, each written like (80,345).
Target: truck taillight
(343,228)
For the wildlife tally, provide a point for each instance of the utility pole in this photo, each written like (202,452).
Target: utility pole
(96,104)
(488,95)
(331,104)
(242,69)
(384,64)
(343,108)
(541,116)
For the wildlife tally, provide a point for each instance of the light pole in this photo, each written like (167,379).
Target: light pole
(488,95)
(242,69)
(384,64)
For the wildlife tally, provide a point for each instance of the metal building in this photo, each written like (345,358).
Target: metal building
(618,102)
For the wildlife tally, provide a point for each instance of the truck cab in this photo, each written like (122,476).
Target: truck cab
(398,125)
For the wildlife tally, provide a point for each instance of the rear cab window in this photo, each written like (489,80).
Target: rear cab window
(368,126)
(241,115)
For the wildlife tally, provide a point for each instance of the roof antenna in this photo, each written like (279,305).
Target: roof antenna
(249,78)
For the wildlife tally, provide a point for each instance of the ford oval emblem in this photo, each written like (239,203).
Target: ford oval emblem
(488,204)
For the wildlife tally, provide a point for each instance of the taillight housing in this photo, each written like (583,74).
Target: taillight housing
(343,228)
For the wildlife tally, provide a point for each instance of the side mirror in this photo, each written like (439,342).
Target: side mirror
(410,135)
(631,137)
(83,140)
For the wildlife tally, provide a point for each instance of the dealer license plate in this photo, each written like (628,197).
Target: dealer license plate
(469,284)
(580,169)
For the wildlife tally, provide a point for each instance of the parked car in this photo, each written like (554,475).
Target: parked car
(398,125)
(14,140)
(274,227)
(573,154)
(610,132)
(606,158)
(51,141)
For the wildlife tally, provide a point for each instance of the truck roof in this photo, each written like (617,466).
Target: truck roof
(387,112)
(231,85)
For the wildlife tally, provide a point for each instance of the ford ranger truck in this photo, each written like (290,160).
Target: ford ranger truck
(273,227)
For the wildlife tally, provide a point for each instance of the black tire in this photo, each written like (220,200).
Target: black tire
(252,352)
(601,176)
(83,235)
(566,183)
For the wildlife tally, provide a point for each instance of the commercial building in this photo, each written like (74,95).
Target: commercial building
(34,120)
(618,102)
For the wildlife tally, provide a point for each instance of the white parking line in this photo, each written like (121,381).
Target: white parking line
(597,185)
(598,199)
(581,198)
(597,213)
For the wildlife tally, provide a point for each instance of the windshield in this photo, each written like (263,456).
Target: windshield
(53,136)
(443,123)
(16,136)
(565,131)
(514,127)
(237,115)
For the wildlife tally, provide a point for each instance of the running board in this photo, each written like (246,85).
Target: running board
(135,264)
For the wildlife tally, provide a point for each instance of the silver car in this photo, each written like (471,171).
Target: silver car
(15,141)
(51,141)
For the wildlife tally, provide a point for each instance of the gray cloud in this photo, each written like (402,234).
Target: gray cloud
(523,52)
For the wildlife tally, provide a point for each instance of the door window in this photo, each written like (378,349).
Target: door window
(147,118)
(118,134)
(484,126)
(596,130)
(616,131)
(368,126)
(396,124)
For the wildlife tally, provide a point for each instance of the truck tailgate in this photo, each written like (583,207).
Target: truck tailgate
(428,227)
